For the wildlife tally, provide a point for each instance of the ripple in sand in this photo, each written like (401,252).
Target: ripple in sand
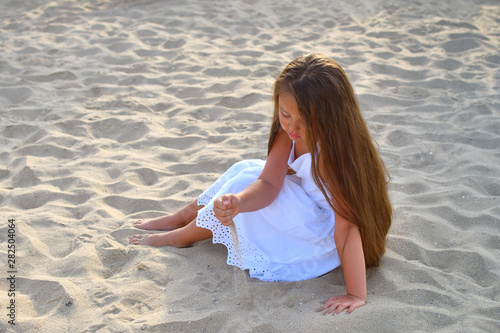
(118,130)
(460,45)
(16,95)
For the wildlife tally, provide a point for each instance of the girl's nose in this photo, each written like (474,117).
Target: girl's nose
(295,126)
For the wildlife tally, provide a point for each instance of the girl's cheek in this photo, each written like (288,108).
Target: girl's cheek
(282,123)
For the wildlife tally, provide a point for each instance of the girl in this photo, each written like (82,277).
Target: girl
(319,201)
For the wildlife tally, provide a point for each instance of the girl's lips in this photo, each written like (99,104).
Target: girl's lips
(293,135)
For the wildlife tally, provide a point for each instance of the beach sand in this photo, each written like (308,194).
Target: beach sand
(113,111)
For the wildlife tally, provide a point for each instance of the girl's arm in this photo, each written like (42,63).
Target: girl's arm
(264,190)
(350,250)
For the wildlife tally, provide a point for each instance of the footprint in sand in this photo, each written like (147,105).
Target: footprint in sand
(113,254)
(45,296)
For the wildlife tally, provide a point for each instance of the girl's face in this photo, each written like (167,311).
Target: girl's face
(290,119)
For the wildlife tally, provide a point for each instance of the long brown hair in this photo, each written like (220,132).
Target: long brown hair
(345,164)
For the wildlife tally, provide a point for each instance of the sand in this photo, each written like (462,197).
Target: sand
(117,110)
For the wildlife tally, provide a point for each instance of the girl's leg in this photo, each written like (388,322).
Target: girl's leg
(170,222)
(181,237)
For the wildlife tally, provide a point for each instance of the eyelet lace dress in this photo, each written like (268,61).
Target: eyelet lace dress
(289,240)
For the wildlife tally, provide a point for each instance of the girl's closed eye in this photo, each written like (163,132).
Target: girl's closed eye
(284,114)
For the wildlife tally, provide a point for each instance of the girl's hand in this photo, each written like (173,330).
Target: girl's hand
(340,303)
(226,208)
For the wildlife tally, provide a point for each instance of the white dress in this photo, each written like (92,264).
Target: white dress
(289,240)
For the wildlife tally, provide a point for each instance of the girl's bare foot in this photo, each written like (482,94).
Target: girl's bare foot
(182,237)
(170,222)
(157,240)
(166,222)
